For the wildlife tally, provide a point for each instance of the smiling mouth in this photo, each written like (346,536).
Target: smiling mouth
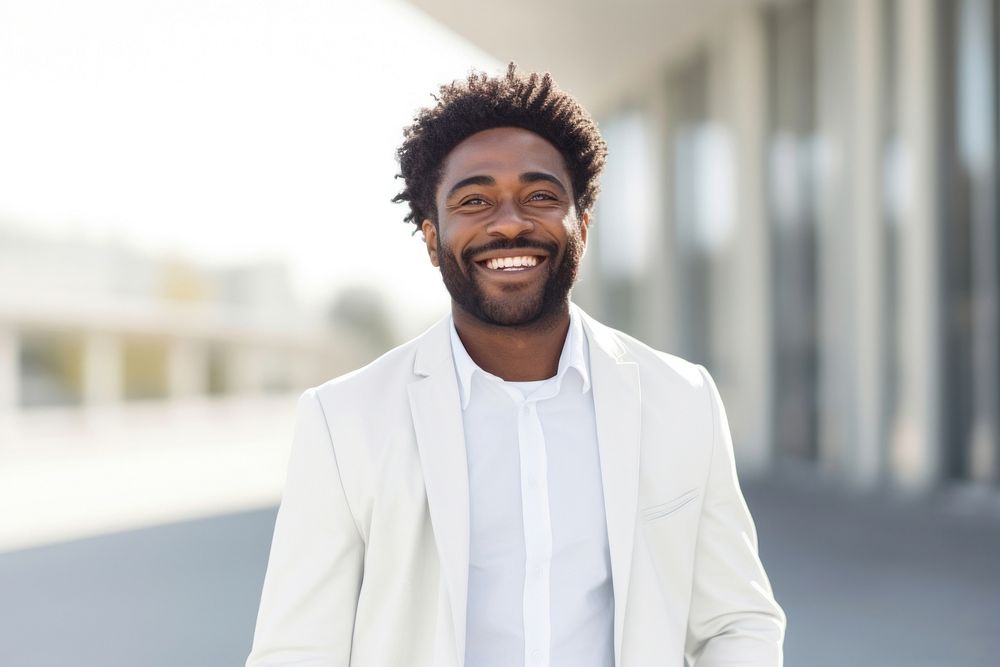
(511,264)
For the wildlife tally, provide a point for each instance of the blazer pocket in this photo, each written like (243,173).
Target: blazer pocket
(664,509)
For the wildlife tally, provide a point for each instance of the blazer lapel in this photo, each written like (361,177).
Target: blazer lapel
(437,421)
(618,411)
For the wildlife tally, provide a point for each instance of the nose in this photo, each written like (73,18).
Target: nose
(509,221)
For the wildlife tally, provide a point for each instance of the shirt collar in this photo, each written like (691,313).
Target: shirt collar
(573,355)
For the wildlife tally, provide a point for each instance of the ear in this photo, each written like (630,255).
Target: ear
(430,239)
(584,226)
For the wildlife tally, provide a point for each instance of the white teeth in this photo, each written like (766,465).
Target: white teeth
(512,262)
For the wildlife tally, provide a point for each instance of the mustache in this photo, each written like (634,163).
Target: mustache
(509,244)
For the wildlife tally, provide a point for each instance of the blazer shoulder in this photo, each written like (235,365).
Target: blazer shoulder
(649,359)
(391,370)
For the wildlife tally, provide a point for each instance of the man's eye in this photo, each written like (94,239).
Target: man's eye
(542,196)
(474,201)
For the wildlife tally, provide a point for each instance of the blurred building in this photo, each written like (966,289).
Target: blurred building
(83,324)
(802,195)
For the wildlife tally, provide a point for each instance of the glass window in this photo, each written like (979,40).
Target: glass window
(688,114)
(791,175)
(52,368)
(970,247)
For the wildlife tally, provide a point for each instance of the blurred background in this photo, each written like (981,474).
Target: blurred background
(195,227)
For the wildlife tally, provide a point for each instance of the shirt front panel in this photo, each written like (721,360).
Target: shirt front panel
(539,566)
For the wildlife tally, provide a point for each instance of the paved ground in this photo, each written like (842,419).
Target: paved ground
(879,580)
(177,595)
(865,581)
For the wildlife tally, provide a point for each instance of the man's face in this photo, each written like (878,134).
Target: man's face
(508,239)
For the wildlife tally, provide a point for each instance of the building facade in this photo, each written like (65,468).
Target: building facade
(803,196)
(86,325)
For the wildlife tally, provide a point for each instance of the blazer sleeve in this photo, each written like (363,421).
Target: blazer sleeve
(734,618)
(314,571)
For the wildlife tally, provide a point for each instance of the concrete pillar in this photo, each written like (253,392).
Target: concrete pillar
(187,368)
(742,296)
(103,366)
(915,445)
(851,246)
(243,369)
(658,307)
(866,451)
(836,226)
(625,219)
(656,294)
(10,369)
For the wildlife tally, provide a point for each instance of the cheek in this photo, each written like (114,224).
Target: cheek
(575,243)
(571,229)
(451,242)
(571,222)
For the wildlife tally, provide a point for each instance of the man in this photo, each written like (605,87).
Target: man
(520,485)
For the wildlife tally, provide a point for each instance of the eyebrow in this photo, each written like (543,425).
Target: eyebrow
(534,176)
(527,177)
(471,180)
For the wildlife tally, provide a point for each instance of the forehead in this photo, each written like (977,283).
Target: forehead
(501,150)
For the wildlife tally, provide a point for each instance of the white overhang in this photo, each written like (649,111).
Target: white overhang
(596,49)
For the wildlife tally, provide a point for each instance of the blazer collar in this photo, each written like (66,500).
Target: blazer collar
(435,403)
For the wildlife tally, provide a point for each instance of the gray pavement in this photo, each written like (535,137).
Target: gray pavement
(177,595)
(880,580)
(865,581)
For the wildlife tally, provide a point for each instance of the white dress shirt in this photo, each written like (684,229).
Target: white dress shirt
(540,591)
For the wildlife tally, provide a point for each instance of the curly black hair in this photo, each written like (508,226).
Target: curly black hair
(532,102)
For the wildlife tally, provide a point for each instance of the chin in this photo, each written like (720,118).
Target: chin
(510,315)
(519,312)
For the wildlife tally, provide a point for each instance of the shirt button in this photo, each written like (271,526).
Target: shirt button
(536,655)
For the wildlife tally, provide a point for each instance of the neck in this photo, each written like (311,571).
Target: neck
(514,353)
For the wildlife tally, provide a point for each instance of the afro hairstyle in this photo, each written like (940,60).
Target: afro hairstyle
(528,101)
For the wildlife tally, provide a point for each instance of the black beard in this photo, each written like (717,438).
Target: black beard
(519,310)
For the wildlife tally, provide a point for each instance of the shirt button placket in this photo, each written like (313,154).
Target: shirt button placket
(537,534)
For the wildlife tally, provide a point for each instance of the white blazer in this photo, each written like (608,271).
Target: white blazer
(369,560)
